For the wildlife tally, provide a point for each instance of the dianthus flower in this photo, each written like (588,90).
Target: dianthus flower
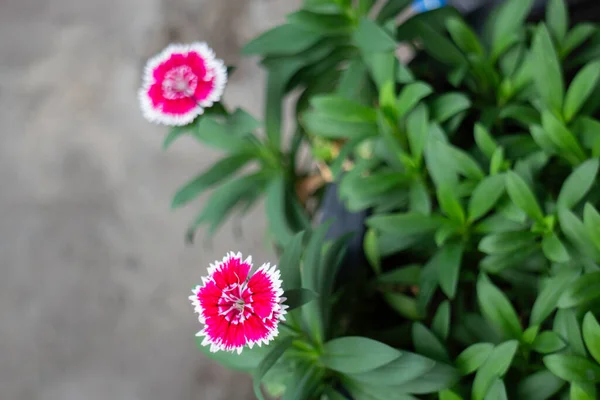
(237,307)
(180,82)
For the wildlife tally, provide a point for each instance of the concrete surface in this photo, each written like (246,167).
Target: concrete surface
(94,271)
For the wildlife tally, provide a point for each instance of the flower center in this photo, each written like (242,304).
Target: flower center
(234,303)
(179,82)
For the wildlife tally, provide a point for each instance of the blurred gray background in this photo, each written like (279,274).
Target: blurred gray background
(94,270)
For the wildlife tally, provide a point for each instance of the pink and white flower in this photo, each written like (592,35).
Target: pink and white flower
(237,307)
(180,82)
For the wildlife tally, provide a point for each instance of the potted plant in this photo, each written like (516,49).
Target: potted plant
(475,166)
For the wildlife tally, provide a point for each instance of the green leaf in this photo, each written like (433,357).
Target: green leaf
(220,171)
(352,79)
(448,261)
(417,127)
(267,363)
(281,70)
(428,282)
(391,9)
(581,88)
(582,391)
(371,249)
(497,162)
(509,19)
(498,223)
(371,38)
(406,224)
(548,77)
(587,129)
(387,100)
(324,24)
(332,394)
(241,123)
(591,221)
(473,357)
(390,140)
(554,249)
(437,159)
(298,297)
(449,395)
(334,256)
(458,74)
(404,305)
(302,384)
(585,289)
(578,184)
(427,344)
(289,263)
(401,370)
(320,124)
(217,135)
(327,6)
(591,335)
(404,75)
(557,18)
(448,230)
(541,385)
(530,335)
(525,115)
(381,67)
(407,275)
(495,366)
(364,6)
(576,232)
(280,221)
(496,308)
(354,354)
(485,196)
(365,391)
(441,321)
(573,368)
(450,204)
(548,342)
(410,96)
(505,263)
(484,140)
(440,377)
(576,36)
(464,37)
(462,162)
(438,45)
(339,108)
(547,300)
(523,197)
(506,242)
(312,268)
(447,105)
(419,200)
(566,324)
(282,40)
(543,140)
(497,391)
(224,199)
(562,137)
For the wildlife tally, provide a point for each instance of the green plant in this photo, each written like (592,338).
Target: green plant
(479,164)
